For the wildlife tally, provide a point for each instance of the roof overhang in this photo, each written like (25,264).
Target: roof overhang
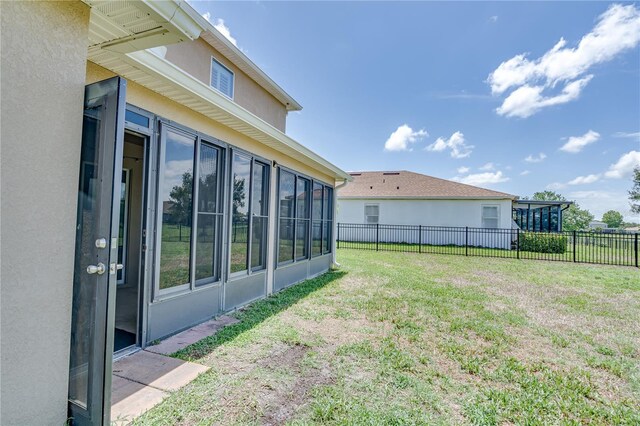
(163,77)
(128,26)
(539,204)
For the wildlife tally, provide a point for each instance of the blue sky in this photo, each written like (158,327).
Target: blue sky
(517,97)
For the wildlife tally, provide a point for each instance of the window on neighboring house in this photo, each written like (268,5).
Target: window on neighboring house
(371,213)
(221,78)
(490,216)
(249,213)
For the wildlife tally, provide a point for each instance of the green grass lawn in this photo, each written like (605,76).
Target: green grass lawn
(395,338)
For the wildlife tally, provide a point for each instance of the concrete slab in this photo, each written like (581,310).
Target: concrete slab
(181,340)
(130,399)
(158,371)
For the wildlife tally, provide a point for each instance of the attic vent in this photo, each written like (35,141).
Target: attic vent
(391,173)
(397,187)
(355,174)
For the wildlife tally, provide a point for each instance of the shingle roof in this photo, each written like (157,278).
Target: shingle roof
(405,184)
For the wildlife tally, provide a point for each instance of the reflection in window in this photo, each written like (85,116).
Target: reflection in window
(176,191)
(209,220)
(327,220)
(316,233)
(287,200)
(259,216)
(303,211)
(240,217)
(123,226)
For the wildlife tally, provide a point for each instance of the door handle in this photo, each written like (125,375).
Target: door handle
(96,269)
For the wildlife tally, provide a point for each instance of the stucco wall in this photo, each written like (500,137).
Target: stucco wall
(146,99)
(194,57)
(425,212)
(43,74)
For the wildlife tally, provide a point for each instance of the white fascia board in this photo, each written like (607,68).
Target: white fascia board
(152,64)
(176,13)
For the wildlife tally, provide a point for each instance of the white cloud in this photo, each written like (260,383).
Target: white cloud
(525,172)
(462,170)
(482,178)
(221,27)
(527,100)
(623,168)
(487,167)
(536,159)
(493,18)
(403,137)
(617,30)
(598,202)
(455,143)
(585,180)
(629,135)
(555,185)
(575,144)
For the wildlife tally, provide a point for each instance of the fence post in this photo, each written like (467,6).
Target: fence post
(518,243)
(635,246)
(466,241)
(338,237)
(420,242)
(574,246)
(377,235)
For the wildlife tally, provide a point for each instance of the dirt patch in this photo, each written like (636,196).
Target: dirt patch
(280,404)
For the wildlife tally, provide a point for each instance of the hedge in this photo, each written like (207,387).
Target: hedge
(543,243)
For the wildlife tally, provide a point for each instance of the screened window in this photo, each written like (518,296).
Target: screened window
(489,216)
(371,213)
(209,215)
(176,192)
(259,216)
(221,78)
(287,203)
(250,214)
(321,219)
(316,224)
(327,220)
(303,219)
(240,217)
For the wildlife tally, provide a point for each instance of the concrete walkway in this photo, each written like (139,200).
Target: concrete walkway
(142,380)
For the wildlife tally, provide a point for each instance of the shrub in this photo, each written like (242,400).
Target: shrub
(543,243)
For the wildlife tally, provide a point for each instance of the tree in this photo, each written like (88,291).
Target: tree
(548,196)
(634,194)
(613,219)
(574,218)
(181,201)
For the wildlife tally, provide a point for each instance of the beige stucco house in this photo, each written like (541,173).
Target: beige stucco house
(147,185)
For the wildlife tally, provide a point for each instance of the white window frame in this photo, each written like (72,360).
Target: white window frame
(233,77)
(366,216)
(482,217)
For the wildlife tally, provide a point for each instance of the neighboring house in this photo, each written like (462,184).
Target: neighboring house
(175,196)
(597,224)
(408,198)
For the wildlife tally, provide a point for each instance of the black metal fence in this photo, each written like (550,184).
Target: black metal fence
(569,246)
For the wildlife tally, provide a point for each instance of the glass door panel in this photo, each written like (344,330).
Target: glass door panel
(95,270)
